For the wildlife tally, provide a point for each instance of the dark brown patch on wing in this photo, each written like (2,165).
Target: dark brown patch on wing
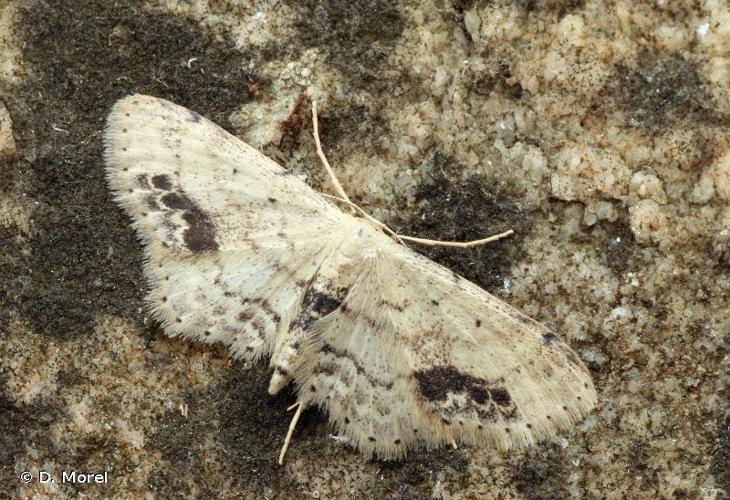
(485,400)
(174,201)
(200,234)
(319,301)
(162,181)
(245,316)
(275,317)
(143,181)
(501,396)
(549,337)
(177,201)
(152,202)
(435,384)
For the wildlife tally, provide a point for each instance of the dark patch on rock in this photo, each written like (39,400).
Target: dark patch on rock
(718,249)
(720,465)
(81,56)
(231,412)
(193,116)
(162,181)
(639,464)
(462,211)
(24,427)
(416,476)
(559,8)
(242,403)
(12,437)
(356,36)
(543,474)
(497,80)
(662,90)
(292,127)
(338,125)
(618,249)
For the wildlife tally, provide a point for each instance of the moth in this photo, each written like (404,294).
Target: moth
(400,352)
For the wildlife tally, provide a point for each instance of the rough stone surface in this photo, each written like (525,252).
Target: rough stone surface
(599,131)
(7,141)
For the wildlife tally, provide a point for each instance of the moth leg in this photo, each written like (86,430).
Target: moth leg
(292,425)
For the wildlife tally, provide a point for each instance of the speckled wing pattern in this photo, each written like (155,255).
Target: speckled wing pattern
(401,352)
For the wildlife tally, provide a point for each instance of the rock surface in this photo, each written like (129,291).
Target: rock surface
(599,131)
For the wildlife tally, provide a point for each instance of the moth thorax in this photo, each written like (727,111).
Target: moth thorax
(362,235)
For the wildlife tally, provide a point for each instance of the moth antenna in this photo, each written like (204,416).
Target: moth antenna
(457,244)
(320,153)
(292,425)
(400,237)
